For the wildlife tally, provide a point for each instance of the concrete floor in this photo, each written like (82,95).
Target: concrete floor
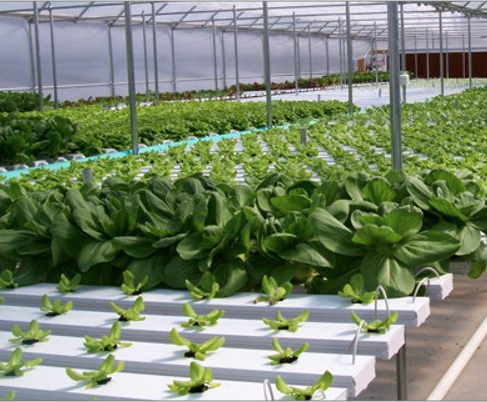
(433,347)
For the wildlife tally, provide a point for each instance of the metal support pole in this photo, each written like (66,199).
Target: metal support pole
(154,53)
(427,57)
(110,60)
(38,57)
(327,50)
(295,41)
(349,59)
(401,374)
(224,62)
(173,59)
(146,68)
(447,56)
(415,57)
(53,58)
(267,64)
(340,55)
(463,57)
(31,58)
(235,48)
(442,61)
(469,53)
(309,54)
(131,77)
(375,55)
(394,89)
(215,66)
(403,51)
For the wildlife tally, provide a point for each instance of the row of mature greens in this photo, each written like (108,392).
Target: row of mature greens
(20,101)
(317,234)
(24,137)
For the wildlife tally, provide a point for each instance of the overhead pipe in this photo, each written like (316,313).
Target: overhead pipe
(53,57)
(38,57)
(154,53)
(267,64)
(349,59)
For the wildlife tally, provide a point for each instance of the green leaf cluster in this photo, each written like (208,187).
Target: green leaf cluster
(99,376)
(280,323)
(201,380)
(55,308)
(207,287)
(15,366)
(33,334)
(196,350)
(376,326)
(286,356)
(107,343)
(129,287)
(275,292)
(66,285)
(355,290)
(200,320)
(305,394)
(132,313)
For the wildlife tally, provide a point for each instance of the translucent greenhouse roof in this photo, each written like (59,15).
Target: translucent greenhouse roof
(315,17)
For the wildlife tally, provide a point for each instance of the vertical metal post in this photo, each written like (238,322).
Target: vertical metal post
(340,55)
(154,53)
(31,58)
(38,57)
(394,89)
(327,49)
(403,51)
(267,64)
(224,62)
(401,374)
(173,58)
(110,60)
(469,53)
(349,59)
(295,41)
(415,57)
(442,61)
(53,57)
(447,56)
(215,66)
(463,56)
(131,77)
(427,57)
(375,55)
(235,48)
(309,54)
(146,68)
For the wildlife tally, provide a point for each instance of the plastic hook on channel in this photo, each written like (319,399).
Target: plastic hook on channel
(381,290)
(268,393)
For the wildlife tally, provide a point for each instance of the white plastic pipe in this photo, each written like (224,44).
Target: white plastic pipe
(459,364)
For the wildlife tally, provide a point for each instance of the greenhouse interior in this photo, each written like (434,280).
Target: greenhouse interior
(243,200)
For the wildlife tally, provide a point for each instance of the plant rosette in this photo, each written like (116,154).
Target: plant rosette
(376,326)
(14,367)
(66,285)
(196,350)
(201,380)
(275,292)
(200,320)
(280,323)
(308,393)
(33,334)
(286,356)
(100,376)
(107,343)
(55,308)
(132,313)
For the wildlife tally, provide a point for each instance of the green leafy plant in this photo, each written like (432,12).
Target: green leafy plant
(132,313)
(197,350)
(200,320)
(305,394)
(207,287)
(9,397)
(275,292)
(33,334)
(356,291)
(55,308)
(7,280)
(66,285)
(376,326)
(14,366)
(2,300)
(281,323)
(201,380)
(286,355)
(107,343)
(129,287)
(100,376)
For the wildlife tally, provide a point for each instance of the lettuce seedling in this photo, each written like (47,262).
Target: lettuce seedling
(56,308)
(207,287)
(9,397)
(107,343)
(200,320)
(33,335)
(304,394)
(14,365)
(275,292)
(66,285)
(196,350)
(100,376)
(132,313)
(355,290)
(7,280)
(286,355)
(129,287)
(376,326)
(281,323)
(201,380)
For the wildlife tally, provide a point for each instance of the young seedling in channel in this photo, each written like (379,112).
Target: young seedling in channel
(7,280)
(197,350)
(207,287)
(355,290)
(14,366)
(107,343)
(33,334)
(56,308)
(304,394)
(275,292)
(200,320)
(201,380)
(9,397)
(376,326)
(66,285)
(281,323)
(132,313)
(286,355)
(129,287)
(97,377)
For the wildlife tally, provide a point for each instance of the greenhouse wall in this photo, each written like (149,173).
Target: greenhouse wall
(83,63)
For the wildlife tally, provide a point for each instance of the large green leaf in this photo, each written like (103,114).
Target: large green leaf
(169,240)
(291,202)
(419,192)
(279,242)
(135,246)
(244,195)
(67,235)
(11,240)
(453,182)
(479,219)
(467,236)
(378,191)
(32,270)
(354,184)
(371,235)
(95,252)
(231,277)
(447,209)
(218,212)
(85,220)
(178,270)
(190,247)
(152,267)
(405,220)
(306,254)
